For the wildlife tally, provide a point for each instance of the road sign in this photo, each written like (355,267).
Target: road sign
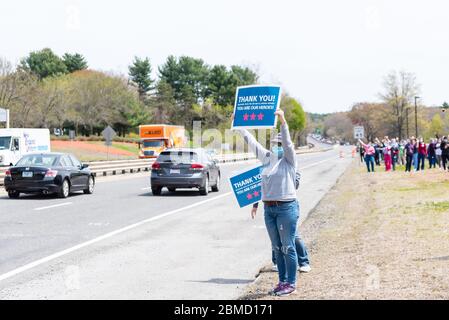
(3,115)
(255,105)
(108,134)
(72,134)
(247,186)
(359,132)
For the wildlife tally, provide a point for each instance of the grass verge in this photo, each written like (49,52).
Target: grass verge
(383,235)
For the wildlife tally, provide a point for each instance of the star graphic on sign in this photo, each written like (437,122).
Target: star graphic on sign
(260,116)
(245,117)
(253,116)
(249,196)
(256,193)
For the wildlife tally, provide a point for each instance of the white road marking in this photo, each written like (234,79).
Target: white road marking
(147,188)
(317,163)
(230,163)
(103,237)
(54,206)
(59,254)
(98,224)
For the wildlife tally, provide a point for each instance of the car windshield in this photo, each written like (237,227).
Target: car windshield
(4,143)
(153,143)
(178,156)
(41,160)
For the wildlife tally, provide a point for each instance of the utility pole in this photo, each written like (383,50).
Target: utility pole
(416,117)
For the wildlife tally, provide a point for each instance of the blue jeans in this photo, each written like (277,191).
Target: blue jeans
(421,160)
(301,252)
(394,160)
(281,222)
(369,160)
(415,161)
(432,160)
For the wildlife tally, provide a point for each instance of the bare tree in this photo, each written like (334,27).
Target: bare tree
(18,92)
(339,126)
(51,97)
(399,90)
(376,118)
(8,83)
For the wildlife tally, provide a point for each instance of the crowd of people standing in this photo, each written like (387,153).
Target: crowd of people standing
(412,153)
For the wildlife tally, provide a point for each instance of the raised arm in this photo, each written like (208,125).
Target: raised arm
(287,144)
(363,144)
(261,153)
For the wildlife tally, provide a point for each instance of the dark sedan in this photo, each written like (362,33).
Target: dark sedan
(185,168)
(45,173)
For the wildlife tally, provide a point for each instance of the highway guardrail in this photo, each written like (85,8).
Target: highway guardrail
(115,167)
(105,168)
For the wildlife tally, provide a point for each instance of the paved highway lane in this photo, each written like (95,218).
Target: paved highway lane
(201,243)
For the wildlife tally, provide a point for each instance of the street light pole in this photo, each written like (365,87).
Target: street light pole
(416,117)
(406,119)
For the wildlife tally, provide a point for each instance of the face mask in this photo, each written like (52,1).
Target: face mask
(279,151)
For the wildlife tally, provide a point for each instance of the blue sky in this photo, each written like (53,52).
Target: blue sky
(328,54)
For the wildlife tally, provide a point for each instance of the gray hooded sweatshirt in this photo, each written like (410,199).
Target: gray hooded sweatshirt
(278,175)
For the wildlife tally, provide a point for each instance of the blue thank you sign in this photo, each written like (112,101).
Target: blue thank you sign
(247,186)
(255,105)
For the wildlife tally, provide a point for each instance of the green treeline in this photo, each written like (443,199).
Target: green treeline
(48,91)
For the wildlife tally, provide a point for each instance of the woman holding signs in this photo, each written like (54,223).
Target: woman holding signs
(280,203)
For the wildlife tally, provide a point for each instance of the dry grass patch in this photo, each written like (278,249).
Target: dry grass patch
(376,236)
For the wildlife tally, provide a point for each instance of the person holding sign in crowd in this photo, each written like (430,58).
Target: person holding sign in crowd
(370,152)
(280,204)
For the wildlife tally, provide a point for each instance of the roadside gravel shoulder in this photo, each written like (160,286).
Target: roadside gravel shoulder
(375,236)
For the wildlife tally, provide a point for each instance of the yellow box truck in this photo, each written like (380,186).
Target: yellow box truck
(155,138)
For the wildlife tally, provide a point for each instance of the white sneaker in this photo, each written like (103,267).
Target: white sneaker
(305,268)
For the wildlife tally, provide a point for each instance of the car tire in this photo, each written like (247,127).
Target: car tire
(204,190)
(156,191)
(216,188)
(13,194)
(172,189)
(90,186)
(64,192)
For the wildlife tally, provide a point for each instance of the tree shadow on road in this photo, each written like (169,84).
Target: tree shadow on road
(224,281)
(443,258)
(176,194)
(43,197)
(254,296)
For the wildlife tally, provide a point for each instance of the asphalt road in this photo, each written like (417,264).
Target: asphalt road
(123,243)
